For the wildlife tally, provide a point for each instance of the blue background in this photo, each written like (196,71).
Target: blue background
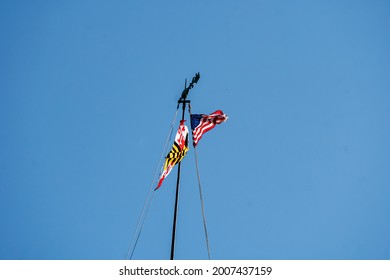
(301,170)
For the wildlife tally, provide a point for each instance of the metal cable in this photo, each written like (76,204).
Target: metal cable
(202,204)
(148,201)
(200,194)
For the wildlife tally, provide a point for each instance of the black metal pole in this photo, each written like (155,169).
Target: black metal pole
(177,197)
(183,100)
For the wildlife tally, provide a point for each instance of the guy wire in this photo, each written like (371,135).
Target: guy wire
(146,207)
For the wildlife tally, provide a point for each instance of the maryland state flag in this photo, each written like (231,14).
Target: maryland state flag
(177,153)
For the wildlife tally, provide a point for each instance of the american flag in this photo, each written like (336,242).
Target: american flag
(201,123)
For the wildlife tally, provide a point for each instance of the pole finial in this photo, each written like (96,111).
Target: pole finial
(186,90)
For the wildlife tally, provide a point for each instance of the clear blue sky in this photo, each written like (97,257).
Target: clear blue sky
(301,170)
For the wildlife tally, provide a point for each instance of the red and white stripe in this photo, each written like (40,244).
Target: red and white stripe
(207,123)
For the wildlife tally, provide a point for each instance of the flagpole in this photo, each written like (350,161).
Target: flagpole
(183,101)
(176,199)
